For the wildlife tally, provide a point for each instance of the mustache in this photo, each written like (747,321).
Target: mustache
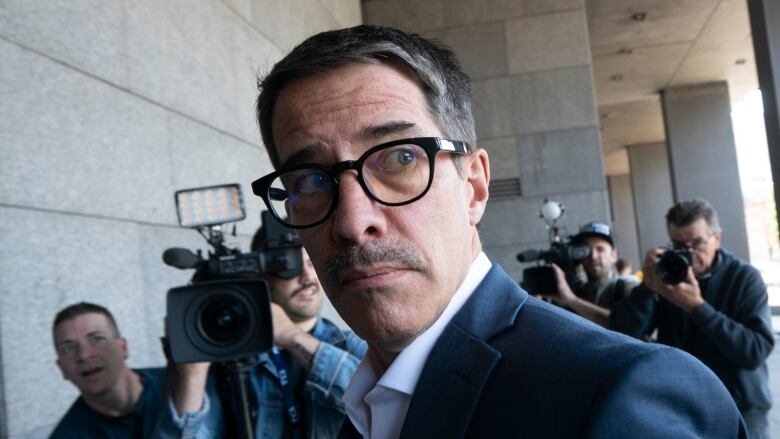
(303,287)
(398,254)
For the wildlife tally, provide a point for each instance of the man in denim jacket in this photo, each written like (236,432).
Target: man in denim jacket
(317,357)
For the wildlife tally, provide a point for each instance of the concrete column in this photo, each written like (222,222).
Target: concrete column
(652,193)
(623,218)
(765,24)
(703,156)
(534,103)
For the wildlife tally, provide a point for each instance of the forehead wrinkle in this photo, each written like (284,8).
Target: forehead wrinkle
(322,105)
(321,109)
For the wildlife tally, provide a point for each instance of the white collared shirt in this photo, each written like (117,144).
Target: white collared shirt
(377,405)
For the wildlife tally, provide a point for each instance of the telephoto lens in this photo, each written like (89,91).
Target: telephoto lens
(673,266)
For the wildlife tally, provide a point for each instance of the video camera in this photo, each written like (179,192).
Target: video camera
(540,279)
(224,313)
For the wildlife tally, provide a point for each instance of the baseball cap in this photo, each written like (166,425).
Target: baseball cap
(597,229)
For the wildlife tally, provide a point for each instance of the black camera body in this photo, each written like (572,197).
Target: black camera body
(224,313)
(672,268)
(541,279)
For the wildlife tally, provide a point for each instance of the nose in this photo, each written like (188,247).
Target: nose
(357,218)
(84,351)
(307,273)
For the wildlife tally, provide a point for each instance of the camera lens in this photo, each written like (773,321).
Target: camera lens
(673,266)
(224,319)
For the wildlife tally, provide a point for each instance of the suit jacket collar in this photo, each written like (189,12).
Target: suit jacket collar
(461,361)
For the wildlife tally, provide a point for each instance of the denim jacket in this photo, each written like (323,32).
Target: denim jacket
(332,368)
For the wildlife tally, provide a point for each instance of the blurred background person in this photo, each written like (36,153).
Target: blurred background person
(593,300)
(717,311)
(115,401)
(625,270)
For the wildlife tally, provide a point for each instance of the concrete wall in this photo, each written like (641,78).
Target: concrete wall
(652,193)
(534,103)
(624,220)
(703,156)
(107,108)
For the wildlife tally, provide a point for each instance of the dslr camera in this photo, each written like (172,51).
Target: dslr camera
(672,268)
(224,313)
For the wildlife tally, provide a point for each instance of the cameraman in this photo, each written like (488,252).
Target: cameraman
(594,299)
(317,357)
(719,313)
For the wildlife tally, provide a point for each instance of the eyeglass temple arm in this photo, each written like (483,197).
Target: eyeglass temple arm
(454,146)
(278,194)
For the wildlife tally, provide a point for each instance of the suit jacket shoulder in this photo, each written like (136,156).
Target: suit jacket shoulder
(509,365)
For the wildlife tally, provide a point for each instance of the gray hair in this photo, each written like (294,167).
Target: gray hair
(685,213)
(446,87)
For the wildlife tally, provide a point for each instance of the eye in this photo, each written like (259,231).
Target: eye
(66,349)
(397,158)
(97,339)
(404,157)
(307,182)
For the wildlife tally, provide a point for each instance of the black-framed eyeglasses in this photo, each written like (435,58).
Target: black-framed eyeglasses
(698,244)
(393,173)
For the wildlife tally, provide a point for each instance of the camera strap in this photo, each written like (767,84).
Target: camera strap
(293,411)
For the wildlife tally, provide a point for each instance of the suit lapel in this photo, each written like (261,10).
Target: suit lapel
(460,363)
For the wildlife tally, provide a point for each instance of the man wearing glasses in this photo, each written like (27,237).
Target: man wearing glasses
(718,313)
(372,135)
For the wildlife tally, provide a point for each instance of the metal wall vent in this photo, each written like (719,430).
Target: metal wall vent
(505,188)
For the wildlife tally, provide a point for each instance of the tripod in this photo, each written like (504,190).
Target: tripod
(237,373)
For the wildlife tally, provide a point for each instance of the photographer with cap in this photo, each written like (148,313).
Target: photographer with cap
(296,388)
(594,299)
(718,312)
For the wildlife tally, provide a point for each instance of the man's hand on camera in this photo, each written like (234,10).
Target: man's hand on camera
(285,330)
(189,382)
(190,386)
(288,336)
(686,295)
(649,266)
(565,296)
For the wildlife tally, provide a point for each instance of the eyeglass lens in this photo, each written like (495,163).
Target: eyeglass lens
(697,244)
(391,175)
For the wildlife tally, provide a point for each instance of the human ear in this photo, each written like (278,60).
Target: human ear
(478,178)
(123,346)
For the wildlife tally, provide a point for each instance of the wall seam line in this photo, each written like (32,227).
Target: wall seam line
(129,92)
